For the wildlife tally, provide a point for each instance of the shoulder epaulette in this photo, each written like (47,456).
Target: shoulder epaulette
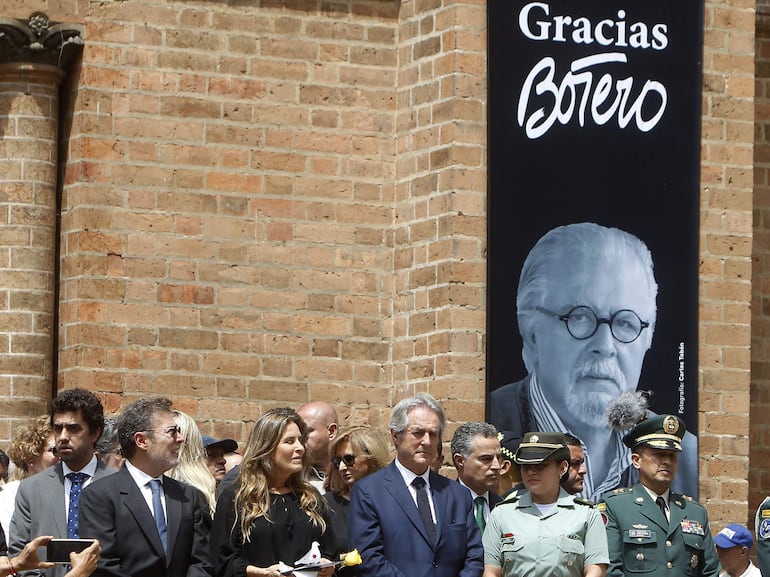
(513,498)
(618,491)
(586,502)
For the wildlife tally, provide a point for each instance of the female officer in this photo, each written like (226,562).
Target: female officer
(545,532)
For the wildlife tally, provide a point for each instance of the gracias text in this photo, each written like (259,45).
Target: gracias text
(545,100)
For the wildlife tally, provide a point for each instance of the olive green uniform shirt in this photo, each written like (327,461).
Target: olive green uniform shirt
(561,543)
(643,543)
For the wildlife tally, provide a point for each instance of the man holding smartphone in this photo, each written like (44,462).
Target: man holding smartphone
(48,503)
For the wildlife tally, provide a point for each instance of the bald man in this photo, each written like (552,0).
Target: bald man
(321,421)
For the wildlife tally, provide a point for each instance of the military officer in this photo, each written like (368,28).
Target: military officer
(546,531)
(651,530)
(762,526)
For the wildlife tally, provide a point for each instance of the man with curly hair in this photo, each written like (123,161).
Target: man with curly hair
(48,503)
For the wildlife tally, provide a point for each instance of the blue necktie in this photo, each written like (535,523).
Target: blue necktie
(77,480)
(423,506)
(160,517)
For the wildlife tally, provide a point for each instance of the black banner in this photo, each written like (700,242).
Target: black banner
(594,117)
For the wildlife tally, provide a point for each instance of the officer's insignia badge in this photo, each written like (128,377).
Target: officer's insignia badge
(694,561)
(766,513)
(764,529)
(640,526)
(639,499)
(670,425)
(694,527)
(534,439)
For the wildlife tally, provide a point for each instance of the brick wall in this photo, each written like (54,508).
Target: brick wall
(274,202)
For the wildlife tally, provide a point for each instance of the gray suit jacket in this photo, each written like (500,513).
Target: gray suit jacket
(40,511)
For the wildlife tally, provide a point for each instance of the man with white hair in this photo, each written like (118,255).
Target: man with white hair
(586,307)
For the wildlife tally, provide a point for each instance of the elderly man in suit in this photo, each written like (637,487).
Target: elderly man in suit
(148,524)
(407,521)
(477,458)
(48,503)
(586,309)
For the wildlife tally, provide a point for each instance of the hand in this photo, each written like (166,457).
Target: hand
(28,558)
(326,571)
(84,563)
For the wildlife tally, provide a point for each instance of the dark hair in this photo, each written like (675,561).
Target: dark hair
(87,403)
(571,440)
(137,417)
(4,460)
(109,437)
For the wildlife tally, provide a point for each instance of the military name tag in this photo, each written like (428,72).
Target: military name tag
(639,533)
(694,527)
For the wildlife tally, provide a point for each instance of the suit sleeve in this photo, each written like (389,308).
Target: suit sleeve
(614,541)
(225,553)
(200,564)
(21,526)
(96,520)
(365,534)
(711,567)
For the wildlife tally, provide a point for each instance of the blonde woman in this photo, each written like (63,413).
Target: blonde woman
(192,468)
(271,513)
(355,453)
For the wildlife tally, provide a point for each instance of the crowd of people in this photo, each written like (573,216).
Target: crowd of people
(155,497)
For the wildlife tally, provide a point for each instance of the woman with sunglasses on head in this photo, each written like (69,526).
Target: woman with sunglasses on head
(355,453)
(271,514)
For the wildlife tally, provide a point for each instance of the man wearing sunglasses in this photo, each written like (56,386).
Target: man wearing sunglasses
(48,503)
(586,307)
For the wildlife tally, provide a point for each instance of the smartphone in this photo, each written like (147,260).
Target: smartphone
(58,550)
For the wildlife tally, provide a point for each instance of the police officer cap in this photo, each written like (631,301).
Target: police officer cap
(540,446)
(509,444)
(658,432)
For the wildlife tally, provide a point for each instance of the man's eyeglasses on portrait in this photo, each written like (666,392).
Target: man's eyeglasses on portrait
(582,323)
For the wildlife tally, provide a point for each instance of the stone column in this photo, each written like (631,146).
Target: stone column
(34,56)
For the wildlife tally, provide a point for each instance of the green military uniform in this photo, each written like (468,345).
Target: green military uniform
(762,527)
(525,543)
(642,541)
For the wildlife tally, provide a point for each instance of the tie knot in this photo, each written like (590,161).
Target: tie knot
(155,484)
(77,478)
(479,500)
(418,483)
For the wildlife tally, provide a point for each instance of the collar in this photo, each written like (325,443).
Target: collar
(140,477)
(409,476)
(89,469)
(653,495)
(474,494)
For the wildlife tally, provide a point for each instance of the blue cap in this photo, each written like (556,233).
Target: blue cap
(734,535)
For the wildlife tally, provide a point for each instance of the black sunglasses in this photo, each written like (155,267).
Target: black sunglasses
(348,459)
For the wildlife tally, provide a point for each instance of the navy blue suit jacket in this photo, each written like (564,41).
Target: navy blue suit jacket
(386,528)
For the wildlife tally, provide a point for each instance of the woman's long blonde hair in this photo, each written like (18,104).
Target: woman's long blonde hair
(252,498)
(192,468)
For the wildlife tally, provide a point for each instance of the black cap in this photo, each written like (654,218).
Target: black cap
(540,446)
(227,445)
(658,432)
(509,444)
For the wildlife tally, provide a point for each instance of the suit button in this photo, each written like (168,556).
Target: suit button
(435,563)
(669,564)
(668,543)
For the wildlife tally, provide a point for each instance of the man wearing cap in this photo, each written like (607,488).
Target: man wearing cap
(734,543)
(762,527)
(476,456)
(651,529)
(586,310)
(215,455)
(510,483)
(546,531)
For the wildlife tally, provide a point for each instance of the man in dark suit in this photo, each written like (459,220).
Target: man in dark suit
(48,503)
(407,521)
(651,529)
(586,309)
(478,460)
(149,525)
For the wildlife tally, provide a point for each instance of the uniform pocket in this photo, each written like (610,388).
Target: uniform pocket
(509,549)
(571,551)
(639,551)
(693,549)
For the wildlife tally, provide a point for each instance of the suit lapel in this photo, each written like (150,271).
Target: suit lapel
(174,497)
(134,502)
(439,488)
(395,486)
(676,508)
(56,500)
